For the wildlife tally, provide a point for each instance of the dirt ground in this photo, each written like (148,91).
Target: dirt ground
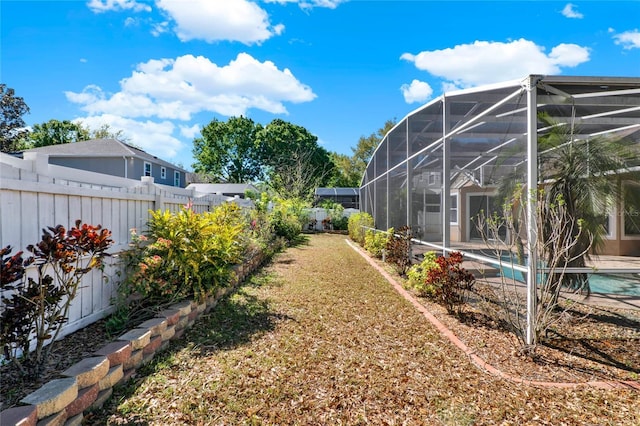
(319,337)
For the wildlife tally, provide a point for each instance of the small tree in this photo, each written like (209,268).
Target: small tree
(556,248)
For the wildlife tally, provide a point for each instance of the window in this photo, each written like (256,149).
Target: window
(176,178)
(631,221)
(432,203)
(631,210)
(147,169)
(608,218)
(163,172)
(453,211)
(434,178)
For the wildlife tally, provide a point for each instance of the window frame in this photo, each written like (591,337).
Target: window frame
(452,209)
(623,215)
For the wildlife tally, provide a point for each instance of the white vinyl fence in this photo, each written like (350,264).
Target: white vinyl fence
(36,195)
(318,214)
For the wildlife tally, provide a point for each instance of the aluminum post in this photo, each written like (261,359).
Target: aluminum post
(446,177)
(532,192)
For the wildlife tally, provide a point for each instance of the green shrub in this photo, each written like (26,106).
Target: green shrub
(375,242)
(285,225)
(418,273)
(340,224)
(259,235)
(185,254)
(355,226)
(288,217)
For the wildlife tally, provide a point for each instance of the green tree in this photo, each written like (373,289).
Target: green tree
(229,151)
(12,126)
(56,132)
(346,175)
(367,145)
(105,131)
(294,161)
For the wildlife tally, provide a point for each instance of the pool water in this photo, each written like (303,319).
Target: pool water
(628,284)
(615,284)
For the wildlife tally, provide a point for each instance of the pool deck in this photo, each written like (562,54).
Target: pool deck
(618,301)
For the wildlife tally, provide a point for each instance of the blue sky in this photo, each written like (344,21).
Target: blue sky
(160,70)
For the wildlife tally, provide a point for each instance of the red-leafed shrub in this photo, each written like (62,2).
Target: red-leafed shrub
(450,282)
(399,249)
(35,307)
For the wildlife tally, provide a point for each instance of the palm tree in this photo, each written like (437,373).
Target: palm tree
(583,174)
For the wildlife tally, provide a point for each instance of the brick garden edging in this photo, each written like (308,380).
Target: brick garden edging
(474,358)
(89,383)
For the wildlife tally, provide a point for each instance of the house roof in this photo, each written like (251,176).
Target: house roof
(222,188)
(100,148)
(332,192)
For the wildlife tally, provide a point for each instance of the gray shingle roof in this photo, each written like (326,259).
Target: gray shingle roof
(100,148)
(337,191)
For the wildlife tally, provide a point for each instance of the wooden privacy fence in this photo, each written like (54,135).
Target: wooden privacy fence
(35,195)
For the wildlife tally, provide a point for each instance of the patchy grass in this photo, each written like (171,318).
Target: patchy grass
(318,337)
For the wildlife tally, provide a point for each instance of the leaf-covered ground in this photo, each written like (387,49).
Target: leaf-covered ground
(320,338)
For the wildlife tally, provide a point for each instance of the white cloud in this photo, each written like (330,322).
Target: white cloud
(417,91)
(89,94)
(83,60)
(484,62)
(448,86)
(238,20)
(628,39)
(569,11)
(310,4)
(190,131)
(162,90)
(99,6)
(178,88)
(154,137)
(568,55)
(160,28)
(129,22)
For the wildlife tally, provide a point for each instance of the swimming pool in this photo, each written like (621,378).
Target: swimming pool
(615,284)
(625,284)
